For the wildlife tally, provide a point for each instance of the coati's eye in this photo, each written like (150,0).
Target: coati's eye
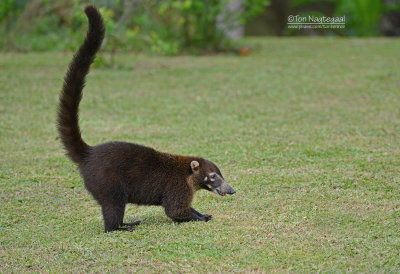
(212,175)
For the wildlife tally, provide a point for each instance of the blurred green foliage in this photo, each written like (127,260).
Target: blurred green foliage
(363,15)
(162,27)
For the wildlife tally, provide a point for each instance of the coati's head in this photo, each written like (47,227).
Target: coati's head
(207,176)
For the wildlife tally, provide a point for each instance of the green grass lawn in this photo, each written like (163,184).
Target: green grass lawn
(306,130)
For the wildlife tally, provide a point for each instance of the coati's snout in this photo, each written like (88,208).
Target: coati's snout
(210,178)
(216,183)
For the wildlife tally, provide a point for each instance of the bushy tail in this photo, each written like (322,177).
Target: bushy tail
(74,81)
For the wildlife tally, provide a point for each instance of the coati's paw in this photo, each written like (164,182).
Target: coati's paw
(131,226)
(207,217)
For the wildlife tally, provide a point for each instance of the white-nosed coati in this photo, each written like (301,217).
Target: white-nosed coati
(117,173)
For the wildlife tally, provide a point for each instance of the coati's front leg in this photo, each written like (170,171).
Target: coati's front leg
(182,214)
(177,203)
(206,217)
(179,210)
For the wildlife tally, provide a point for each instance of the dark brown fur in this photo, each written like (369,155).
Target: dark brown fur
(117,173)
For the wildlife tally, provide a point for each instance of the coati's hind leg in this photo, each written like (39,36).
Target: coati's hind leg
(113,215)
(205,216)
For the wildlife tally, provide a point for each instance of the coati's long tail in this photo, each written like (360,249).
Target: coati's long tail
(74,81)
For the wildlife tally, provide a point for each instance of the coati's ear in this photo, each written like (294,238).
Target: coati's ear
(195,166)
